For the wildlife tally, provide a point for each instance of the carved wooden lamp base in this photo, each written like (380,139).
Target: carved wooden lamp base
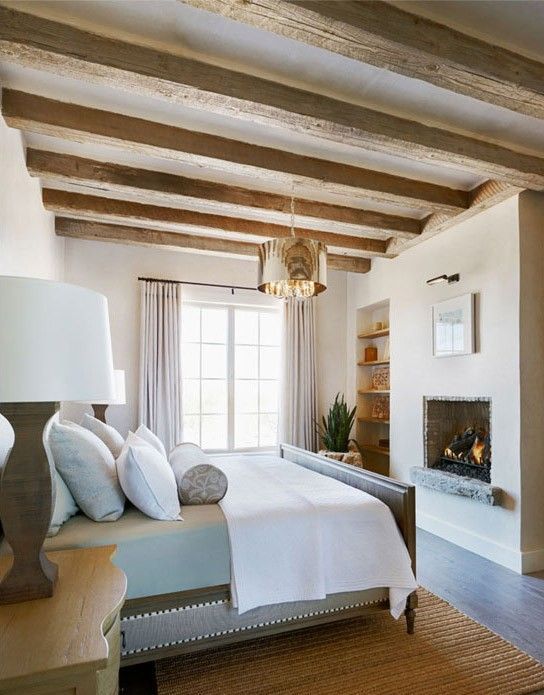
(26,503)
(99,410)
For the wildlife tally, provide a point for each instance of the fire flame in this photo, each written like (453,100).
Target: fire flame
(471,447)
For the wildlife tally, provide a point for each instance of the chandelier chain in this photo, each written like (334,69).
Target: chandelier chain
(293,208)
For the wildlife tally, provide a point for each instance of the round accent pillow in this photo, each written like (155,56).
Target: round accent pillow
(198,481)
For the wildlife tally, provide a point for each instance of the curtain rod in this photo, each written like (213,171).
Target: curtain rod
(200,284)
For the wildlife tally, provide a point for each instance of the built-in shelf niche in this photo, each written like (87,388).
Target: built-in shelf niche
(370,429)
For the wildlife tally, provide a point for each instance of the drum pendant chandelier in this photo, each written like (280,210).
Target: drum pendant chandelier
(292,266)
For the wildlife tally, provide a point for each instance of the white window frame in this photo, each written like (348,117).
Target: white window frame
(231,307)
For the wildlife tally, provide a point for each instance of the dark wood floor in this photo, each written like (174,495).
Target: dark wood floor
(508,603)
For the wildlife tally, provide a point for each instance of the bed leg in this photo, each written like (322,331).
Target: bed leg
(410,613)
(410,620)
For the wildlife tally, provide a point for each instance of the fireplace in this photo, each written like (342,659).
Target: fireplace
(457,436)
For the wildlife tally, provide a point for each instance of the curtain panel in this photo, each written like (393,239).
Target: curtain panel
(160,406)
(298,408)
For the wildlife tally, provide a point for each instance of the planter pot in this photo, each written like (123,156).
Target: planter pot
(352,457)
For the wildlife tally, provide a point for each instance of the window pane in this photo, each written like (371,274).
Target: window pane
(268,434)
(214,396)
(214,361)
(270,357)
(246,326)
(270,329)
(191,396)
(190,360)
(190,323)
(214,325)
(245,396)
(191,429)
(246,366)
(268,402)
(245,431)
(214,432)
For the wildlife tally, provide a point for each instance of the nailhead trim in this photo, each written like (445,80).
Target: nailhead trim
(243,628)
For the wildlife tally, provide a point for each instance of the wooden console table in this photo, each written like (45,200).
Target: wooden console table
(67,644)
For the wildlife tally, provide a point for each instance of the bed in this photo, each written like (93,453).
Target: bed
(179,573)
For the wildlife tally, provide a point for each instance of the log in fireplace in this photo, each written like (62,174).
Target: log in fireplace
(457,434)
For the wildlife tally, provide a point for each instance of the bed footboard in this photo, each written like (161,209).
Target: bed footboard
(398,496)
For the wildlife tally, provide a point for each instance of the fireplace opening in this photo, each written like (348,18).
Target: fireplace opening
(457,435)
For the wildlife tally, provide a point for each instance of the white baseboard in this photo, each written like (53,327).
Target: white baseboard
(508,557)
(532,561)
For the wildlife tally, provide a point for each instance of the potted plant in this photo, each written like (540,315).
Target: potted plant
(334,433)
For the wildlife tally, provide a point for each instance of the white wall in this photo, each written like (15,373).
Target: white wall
(531,212)
(28,245)
(113,270)
(485,251)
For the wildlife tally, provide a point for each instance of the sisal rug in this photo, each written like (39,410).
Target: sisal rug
(449,654)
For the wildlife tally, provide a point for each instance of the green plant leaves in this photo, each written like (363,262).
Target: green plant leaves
(336,428)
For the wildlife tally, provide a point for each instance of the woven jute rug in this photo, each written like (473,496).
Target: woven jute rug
(449,654)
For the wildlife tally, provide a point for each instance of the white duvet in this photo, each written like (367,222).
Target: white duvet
(297,535)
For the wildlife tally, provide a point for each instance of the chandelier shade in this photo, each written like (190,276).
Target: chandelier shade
(292,267)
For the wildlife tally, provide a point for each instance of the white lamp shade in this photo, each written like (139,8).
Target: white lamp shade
(55,342)
(119,384)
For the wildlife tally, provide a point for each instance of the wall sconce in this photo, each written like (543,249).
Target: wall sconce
(444,278)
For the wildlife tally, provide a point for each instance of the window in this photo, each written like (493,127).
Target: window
(230,372)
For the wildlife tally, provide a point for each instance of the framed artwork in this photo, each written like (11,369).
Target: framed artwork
(453,326)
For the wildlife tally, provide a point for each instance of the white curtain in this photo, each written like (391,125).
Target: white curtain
(160,360)
(298,407)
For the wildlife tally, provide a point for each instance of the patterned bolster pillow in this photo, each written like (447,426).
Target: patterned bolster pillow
(198,481)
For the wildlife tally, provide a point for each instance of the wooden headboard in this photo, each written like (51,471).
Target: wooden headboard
(399,497)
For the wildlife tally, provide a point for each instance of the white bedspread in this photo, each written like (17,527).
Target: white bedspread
(297,535)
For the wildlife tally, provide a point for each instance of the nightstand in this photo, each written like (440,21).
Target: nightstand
(67,644)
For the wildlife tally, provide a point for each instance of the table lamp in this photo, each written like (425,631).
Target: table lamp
(54,346)
(100,407)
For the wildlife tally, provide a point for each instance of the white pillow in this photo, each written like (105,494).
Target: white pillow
(108,434)
(151,438)
(198,481)
(87,467)
(65,505)
(148,480)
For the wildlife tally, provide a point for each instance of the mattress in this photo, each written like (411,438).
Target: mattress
(158,557)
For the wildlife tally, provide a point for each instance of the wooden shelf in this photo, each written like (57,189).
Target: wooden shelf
(375,334)
(373,420)
(373,391)
(375,363)
(375,449)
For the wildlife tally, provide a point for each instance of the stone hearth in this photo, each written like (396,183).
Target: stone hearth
(453,484)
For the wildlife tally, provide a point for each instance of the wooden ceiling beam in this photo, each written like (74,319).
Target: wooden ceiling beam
(81,124)
(482,197)
(164,188)
(389,38)
(96,231)
(62,49)
(127,212)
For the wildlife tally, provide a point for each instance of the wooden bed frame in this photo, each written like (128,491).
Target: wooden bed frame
(203,605)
